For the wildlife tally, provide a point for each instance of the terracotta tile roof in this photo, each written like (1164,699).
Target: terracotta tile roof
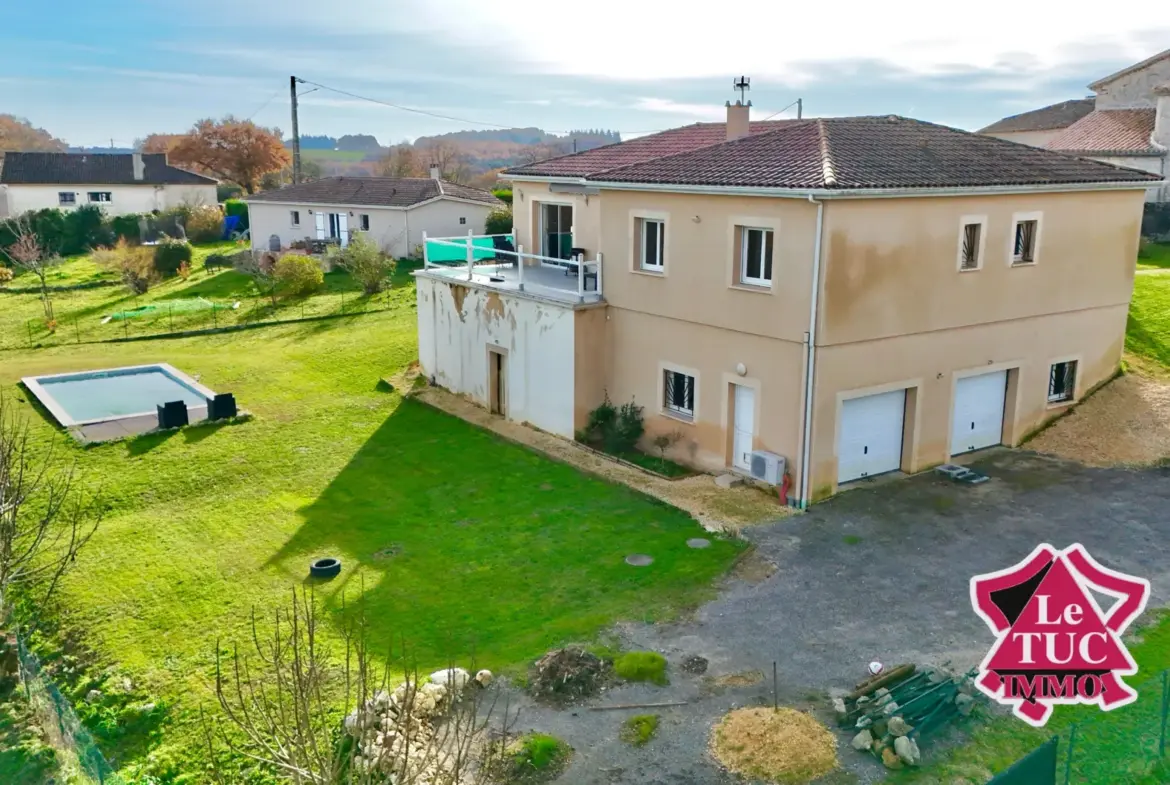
(644,148)
(93,169)
(1049,118)
(373,191)
(1120,131)
(869,152)
(1130,69)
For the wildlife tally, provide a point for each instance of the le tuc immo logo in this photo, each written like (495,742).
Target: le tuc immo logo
(1054,643)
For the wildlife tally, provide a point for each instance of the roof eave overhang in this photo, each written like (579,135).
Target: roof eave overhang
(876,193)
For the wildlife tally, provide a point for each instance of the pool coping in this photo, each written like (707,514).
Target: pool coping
(46,399)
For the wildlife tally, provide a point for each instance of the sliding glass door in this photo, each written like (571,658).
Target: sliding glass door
(556,230)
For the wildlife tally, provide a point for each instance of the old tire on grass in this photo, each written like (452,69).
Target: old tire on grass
(325,568)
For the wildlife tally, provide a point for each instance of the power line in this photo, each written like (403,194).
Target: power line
(263,106)
(785,109)
(405,108)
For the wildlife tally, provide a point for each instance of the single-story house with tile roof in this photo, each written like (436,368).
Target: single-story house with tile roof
(393,211)
(1039,125)
(1129,124)
(119,184)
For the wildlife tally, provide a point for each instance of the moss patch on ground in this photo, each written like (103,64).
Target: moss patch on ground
(639,729)
(641,666)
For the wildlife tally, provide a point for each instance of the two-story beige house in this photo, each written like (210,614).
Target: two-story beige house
(857,295)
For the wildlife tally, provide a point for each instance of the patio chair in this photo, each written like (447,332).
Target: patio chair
(502,243)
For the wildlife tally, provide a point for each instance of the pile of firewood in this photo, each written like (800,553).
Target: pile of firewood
(892,712)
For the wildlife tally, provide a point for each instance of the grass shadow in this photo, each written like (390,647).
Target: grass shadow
(221,285)
(144,443)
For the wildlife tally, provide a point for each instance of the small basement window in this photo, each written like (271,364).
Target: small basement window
(365,222)
(101,196)
(755,256)
(294,217)
(969,254)
(1024,247)
(67,197)
(679,394)
(1062,381)
(462,220)
(651,242)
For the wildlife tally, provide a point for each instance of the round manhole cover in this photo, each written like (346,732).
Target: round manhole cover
(639,560)
(698,542)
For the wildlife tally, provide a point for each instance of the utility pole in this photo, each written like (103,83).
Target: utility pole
(799,108)
(296,131)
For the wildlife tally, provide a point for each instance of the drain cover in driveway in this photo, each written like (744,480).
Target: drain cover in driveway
(639,560)
(698,542)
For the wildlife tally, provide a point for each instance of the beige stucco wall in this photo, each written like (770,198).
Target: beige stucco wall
(896,312)
(526,200)
(1135,90)
(1031,138)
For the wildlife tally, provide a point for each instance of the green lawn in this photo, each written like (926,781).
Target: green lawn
(1114,748)
(1154,256)
(497,550)
(1147,334)
(81,314)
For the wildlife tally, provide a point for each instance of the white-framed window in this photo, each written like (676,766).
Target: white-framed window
(678,393)
(294,218)
(462,220)
(972,239)
(66,198)
(651,244)
(1025,239)
(1062,381)
(755,256)
(101,196)
(364,223)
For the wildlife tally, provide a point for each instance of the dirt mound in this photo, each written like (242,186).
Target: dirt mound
(569,674)
(775,745)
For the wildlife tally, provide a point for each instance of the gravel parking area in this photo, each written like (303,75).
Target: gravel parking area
(878,572)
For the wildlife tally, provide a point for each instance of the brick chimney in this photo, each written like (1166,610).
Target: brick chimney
(435,173)
(139,166)
(738,123)
(1161,135)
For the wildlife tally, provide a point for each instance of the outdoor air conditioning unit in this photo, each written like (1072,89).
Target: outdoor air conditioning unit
(767,466)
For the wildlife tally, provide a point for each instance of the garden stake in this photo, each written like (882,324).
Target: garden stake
(28,324)
(76,329)
(1072,741)
(125,325)
(171,317)
(1165,711)
(775,689)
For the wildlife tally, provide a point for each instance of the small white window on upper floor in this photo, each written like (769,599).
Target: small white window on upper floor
(755,256)
(101,196)
(66,198)
(462,220)
(972,236)
(651,244)
(294,218)
(364,223)
(1062,381)
(1025,239)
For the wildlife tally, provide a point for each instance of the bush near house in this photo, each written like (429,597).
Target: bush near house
(499,221)
(297,275)
(6,275)
(239,208)
(126,227)
(170,254)
(366,262)
(204,225)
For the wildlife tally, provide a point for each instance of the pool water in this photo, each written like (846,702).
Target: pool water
(101,395)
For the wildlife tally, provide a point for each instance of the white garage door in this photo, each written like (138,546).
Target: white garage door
(870,437)
(977,421)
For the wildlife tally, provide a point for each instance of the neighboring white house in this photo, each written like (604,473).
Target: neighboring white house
(119,184)
(393,211)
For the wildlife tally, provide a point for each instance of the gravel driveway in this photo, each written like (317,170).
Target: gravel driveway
(880,572)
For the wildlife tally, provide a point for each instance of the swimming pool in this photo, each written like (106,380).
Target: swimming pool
(116,393)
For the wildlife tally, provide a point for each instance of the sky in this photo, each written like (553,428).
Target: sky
(96,73)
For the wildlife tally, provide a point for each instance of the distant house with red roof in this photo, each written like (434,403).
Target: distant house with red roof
(1126,122)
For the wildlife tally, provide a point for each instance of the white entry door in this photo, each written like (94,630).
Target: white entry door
(745,426)
(320,221)
(977,421)
(869,440)
(343,229)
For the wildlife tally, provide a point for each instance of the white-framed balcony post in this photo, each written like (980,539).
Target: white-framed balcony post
(580,279)
(426,253)
(470,255)
(520,265)
(599,289)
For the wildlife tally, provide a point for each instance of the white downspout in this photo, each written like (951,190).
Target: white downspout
(810,365)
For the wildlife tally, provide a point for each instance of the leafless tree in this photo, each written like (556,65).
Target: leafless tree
(262,270)
(401,160)
(278,700)
(30,254)
(450,159)
(44,517)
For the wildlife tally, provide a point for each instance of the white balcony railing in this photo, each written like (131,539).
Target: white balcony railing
(495,261)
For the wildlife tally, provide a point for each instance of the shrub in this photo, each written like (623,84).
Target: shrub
(365,262)
(237,207)
(504,195)
(6,275)
(85,229)
(641,666)
(628,429)
(212,261)
(134,264)
(297,275)
(204,225)
(613,429)
(534,758)
(170,254)
(639,729)
(499,221)
(126,227)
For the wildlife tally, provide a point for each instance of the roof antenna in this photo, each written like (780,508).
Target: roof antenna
(743,84)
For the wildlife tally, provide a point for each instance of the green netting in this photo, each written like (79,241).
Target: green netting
(482,247)
(181,305)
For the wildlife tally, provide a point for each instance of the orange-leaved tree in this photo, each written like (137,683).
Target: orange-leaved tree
(17,133)
(235,150)
(158,143)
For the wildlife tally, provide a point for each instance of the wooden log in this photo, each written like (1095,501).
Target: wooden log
(891,677)
(638,706)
